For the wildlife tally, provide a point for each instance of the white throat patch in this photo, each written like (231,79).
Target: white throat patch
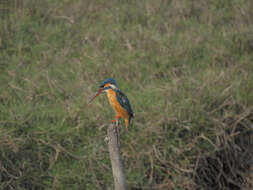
(113,86)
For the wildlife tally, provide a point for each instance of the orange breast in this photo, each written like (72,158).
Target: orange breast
(115,104)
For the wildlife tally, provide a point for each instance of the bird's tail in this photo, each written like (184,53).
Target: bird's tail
(128,121)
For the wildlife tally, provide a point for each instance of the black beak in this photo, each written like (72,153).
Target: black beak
(97,93)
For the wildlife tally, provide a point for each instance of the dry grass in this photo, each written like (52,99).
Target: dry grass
(185,66)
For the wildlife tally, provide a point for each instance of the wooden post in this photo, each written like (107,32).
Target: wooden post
(113,139)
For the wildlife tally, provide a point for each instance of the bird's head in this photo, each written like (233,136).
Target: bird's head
(104,86)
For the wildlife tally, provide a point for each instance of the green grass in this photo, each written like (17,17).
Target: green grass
(185,66)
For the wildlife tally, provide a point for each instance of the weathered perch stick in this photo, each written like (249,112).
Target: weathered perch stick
(113,134)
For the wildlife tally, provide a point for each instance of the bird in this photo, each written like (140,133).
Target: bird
(117,99)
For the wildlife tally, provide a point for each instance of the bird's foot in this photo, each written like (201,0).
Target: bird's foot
(116,121)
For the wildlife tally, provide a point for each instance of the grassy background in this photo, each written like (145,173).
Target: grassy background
(186,67)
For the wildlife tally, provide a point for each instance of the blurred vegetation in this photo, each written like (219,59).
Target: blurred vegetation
(186,67)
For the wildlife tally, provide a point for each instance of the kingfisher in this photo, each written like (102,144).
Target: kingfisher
(117,99)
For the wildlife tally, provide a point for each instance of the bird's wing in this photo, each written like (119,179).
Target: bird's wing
(124,102)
